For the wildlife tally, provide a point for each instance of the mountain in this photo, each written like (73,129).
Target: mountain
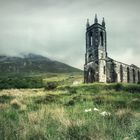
(32,63)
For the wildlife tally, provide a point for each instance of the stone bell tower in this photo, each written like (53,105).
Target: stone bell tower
(96,52)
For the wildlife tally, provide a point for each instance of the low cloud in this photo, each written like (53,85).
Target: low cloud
(57,29)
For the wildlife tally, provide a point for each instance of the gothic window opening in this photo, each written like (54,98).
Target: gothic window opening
(102,38)
(104,69)
(128,75)
(114,76)
(96,62)
(121,73)
(101,55)
(90,39)
(133,76)
(90,57)
(138,76)
(96,53)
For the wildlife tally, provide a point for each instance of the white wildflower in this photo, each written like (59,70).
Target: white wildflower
(126,138)
(104,113)
(77,82)
(88,110)
(95,109)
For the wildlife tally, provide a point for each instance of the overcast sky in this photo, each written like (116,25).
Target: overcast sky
(56,28)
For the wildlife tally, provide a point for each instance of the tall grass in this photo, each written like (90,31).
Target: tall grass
(59,114)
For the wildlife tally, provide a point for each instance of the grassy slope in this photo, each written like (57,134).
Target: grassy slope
(59,114)
(32,64)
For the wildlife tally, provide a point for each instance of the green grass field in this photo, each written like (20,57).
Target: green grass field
(67,109)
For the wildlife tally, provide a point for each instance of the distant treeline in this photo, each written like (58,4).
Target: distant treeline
(20,82)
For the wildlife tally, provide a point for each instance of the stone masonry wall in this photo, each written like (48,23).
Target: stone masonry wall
(126,73)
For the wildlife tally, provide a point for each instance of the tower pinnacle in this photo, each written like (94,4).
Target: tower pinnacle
(87,25)
(103,22)
(96,19)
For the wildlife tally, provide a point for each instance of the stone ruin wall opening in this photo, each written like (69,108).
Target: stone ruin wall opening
(126,73)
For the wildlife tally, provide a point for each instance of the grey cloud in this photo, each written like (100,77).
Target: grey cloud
(57,28)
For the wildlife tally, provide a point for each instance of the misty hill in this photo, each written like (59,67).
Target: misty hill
(32,63)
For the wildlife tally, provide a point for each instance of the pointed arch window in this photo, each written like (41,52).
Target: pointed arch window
(138,76)
(104,70)
(90,57)
(90,39)
(134,75)
(128,75)
(121,73)
(102,38)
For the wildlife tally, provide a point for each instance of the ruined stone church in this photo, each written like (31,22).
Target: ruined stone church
(98,66)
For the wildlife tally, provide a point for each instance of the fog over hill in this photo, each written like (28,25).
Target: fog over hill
(32,63)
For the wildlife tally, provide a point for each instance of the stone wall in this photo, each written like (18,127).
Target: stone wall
(126,73)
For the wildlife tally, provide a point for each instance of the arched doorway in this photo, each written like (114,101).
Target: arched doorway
(91,75)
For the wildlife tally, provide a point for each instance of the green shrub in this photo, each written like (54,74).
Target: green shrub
(5,98)
(132,88)
(71,90)
(70,103)
(50,98)
(98,100)
(118,87)
(21,82)
(51,85)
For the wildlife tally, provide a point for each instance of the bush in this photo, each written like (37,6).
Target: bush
(21,82)
(118,87)
(5,98)
(132,88)
(71,90)
(70,103)
(50,98)
(51,85)
(15,104)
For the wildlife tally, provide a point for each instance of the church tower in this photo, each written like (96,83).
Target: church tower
(96,52)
